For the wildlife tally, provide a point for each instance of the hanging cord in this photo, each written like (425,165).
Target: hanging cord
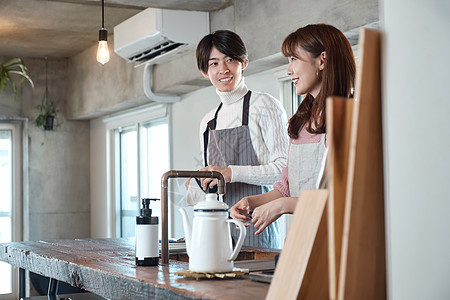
(46,73)
(44,99)
(103,14)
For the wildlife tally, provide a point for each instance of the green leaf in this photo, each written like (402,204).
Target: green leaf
(24,76)
(13,66)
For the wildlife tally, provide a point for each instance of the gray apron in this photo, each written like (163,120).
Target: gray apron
(233,146)
(305,164)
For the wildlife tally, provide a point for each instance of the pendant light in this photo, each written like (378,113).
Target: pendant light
(102,51)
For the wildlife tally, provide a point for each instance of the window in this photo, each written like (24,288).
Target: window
(155,139)
(141,157)
(295,100)
(10,200)
(288,95)
(127,183)
(6,205)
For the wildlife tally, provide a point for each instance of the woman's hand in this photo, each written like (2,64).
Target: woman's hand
(226,172)
(241,211)
(266,214)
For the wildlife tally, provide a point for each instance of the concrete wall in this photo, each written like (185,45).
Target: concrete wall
(58,202)
(263,25)
(416,108)
(97,90)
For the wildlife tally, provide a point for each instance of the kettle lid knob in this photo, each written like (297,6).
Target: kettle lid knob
(211,197)
(211,204)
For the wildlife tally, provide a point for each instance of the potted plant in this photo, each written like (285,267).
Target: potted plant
(47,108)
(47,113)
(13,66)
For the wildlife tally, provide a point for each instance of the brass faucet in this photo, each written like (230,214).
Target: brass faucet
(165,198)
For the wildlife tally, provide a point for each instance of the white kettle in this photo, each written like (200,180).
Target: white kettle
(208,242)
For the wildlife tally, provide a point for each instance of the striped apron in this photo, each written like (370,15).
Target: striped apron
(233,146)
(304,166)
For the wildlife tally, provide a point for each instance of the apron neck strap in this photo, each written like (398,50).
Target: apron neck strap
(245,108)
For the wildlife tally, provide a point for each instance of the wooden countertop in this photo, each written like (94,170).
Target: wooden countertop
(106,267)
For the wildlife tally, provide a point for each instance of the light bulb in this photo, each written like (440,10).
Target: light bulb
(102,52)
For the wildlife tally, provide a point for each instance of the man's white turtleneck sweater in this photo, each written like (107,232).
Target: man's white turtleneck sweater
(268,131)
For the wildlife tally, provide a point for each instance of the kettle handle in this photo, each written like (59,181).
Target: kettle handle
(242,233)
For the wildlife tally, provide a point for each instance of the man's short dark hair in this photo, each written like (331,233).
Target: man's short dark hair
(227,42)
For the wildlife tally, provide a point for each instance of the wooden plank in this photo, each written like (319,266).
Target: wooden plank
(363,264)
(106,267)
(339,117)
(302,269)
(315,283)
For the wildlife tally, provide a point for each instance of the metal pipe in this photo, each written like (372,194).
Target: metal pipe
(165,200)
(52,288)
(22,288)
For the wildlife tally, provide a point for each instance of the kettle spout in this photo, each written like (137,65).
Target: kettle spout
(187,229)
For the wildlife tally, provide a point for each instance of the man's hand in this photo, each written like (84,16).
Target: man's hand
(211,182)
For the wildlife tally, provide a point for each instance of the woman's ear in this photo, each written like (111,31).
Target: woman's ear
(323,60)
(245,64)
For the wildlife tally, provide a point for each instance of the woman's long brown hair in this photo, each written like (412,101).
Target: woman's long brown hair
(337,78)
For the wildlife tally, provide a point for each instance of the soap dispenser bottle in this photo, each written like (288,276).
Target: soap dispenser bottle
(147,242)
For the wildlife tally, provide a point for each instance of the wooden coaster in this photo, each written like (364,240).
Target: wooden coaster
(208,275)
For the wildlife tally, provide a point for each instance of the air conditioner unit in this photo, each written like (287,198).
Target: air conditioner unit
(156,35)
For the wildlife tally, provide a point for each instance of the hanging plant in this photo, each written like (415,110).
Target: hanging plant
(13,66)
(47,108)
(47,113)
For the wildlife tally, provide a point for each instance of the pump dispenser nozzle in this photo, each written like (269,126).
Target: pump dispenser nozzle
(146,210)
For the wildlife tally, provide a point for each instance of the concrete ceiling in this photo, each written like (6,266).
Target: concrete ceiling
(64,28)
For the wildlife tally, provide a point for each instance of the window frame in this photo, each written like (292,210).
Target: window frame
(19,177)
(134,117)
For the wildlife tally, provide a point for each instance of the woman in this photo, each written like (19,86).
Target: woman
(245,137)
(321,64)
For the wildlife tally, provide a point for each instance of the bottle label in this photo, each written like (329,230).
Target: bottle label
(147,241)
